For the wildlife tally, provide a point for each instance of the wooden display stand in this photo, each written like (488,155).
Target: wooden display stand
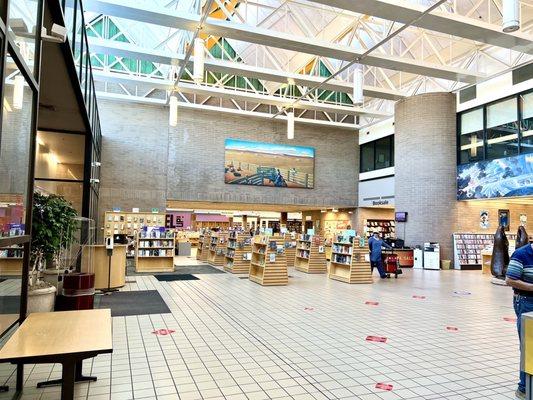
(348,263)
(155,263)
(217,249)
(290,250)
(239,245)
(310,255)
(268,267)
(486,259)
(97,256)
(202,252)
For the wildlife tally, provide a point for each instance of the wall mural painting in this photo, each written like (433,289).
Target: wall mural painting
(505,177)
(269,164)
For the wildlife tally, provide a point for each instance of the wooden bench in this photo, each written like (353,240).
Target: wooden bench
(66,337)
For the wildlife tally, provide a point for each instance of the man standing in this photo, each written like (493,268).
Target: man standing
(375,244)
(520,278)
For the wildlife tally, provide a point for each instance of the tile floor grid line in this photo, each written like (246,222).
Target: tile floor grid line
(244,327)
(219,325)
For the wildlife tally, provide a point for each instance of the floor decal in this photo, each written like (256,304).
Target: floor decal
(378,339)
(163,332)
(371,303)
(384,386)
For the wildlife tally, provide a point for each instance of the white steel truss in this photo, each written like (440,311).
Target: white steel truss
(287,44)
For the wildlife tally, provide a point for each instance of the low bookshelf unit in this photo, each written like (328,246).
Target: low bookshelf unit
(238,253)
(203,247)
(348,262)
(268,266)
(217,249)
(290,249)
(310,255)
(155,251)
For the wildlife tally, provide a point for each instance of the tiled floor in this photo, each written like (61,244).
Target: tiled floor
(234,339)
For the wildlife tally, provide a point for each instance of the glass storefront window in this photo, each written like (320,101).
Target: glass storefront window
(471,136)
(367,157)
(59,156)
(502,129)
(71,191)
(14,151)
(526,143)
(383,153)
(22,21)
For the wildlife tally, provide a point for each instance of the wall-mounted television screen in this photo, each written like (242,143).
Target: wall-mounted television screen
(400,216)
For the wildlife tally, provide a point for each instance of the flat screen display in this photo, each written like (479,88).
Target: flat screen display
(400,216)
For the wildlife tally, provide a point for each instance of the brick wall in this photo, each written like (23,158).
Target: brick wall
(425,166)
(145,162)
(468,212)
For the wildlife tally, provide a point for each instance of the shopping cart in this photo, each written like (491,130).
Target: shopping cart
(392,264)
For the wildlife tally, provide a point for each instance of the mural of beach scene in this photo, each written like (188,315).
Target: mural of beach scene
(269,164)
(504,177)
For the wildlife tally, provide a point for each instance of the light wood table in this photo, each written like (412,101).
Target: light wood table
(66,337)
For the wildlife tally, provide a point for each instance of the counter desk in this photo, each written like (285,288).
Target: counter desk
(97,256)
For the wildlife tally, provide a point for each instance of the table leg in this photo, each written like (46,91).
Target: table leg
(68,376)
(79,377)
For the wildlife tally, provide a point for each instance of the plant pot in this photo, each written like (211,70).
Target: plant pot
(41,300)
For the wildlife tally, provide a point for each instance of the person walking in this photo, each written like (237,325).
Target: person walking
(375,244)
(520,278)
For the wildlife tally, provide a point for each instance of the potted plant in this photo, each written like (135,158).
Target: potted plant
(53,227)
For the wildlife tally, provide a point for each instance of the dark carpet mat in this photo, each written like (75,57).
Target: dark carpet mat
(3,280)
(182,269)
(9,304)
(175,277)
(139,302)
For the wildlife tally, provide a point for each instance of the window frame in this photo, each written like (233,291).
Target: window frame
(372,143)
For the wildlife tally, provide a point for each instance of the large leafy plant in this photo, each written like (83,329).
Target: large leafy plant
(53,226)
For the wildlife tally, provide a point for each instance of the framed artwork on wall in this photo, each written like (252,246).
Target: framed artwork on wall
(484,219)
(504,219)
(269,164)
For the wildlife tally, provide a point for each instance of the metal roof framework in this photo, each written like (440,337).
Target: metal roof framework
(281,43)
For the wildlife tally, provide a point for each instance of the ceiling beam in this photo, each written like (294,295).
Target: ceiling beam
(237,95)
(225,110)
(120,49)
(267,37)
(438,21)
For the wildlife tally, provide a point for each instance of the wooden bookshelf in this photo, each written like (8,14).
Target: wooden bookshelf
(11,260)
(348,263)
(268,267)
(155,254)
(239,246)
(130,223)
(310,255)
(202,252)
(217,249)
(290,250)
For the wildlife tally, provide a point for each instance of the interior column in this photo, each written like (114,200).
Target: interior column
(425,169)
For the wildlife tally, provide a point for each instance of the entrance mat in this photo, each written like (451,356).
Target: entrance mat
(175,277)
(9,304)
(197,269)
(139,302)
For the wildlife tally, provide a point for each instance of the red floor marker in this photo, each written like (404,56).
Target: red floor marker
(378,339)
(309,309)
(163,332)
(509,319)
(371,303)
(452,328)
(419,297)
(384,386)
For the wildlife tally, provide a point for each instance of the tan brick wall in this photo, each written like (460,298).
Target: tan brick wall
(425,167)
(468,215)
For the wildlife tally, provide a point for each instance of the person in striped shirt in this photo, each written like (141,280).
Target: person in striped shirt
(520,278)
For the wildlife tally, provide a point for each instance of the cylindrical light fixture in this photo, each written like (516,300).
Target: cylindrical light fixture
(173,111)
(18,92)
(358,85)
(199,60)
(290,125)
(510,15)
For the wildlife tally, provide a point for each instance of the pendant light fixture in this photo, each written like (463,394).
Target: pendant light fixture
(510,15)
(199,60)
(18,92)
(358,85)
(290,124)
(173,110)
